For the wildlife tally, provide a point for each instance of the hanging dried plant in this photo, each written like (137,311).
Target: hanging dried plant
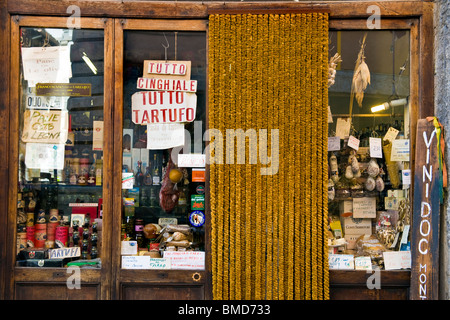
(361,77)
(334,60)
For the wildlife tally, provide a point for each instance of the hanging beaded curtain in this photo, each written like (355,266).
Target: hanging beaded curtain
(268,77)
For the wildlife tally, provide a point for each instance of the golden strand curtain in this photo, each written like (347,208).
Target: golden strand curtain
(268,79)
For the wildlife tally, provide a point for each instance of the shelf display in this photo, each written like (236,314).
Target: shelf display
(369,201)
(59,214)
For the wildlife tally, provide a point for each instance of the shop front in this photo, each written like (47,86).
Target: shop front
(219,150)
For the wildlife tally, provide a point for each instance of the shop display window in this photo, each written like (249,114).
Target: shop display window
(60,177)
(163,168)
(369,160)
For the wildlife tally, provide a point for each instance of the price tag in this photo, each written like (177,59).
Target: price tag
(334,143)
(391,134)
(363,263)
(353,142)
(375,148)
(394,260)
(341,261)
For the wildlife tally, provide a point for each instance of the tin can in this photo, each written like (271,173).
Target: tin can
(40,235)
(51,230)
(53,215)
(30,236)
(61,236)
(30,219)
(21,241)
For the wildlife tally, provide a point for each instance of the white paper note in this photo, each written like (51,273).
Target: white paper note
(165,136)
(375,148)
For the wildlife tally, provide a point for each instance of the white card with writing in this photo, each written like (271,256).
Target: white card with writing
(365,207)
(186,260)
(165,135)
(391,134)
(353,143)
(394,260)
(334,143)
(44,156)
(135,262)
(341,262)
(376,150)
(343,127)
(400,150)
(363,263)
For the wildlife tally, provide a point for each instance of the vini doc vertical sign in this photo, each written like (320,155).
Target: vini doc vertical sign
(425,226)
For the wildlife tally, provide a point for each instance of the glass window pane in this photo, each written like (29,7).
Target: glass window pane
(164,110)
(369,184)
(60,145)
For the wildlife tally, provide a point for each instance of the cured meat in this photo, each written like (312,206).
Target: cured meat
(169,194)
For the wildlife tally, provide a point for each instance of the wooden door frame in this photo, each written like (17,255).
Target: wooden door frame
(421,10)
(29,275)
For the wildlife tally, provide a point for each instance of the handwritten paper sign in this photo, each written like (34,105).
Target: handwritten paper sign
(44,156)
(44,126)
(62,253)
(376,151)
(394,260)
(163,107)
(341,262)
(364,207)
(191,160)
(135,262)
(167,84)
(46,64)
(165,136)
(186,260)
(363,263)
(353,142)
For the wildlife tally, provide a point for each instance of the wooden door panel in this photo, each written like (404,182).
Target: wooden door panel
(55,291)
(132,291)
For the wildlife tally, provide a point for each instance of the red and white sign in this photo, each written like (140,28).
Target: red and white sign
(167,69)
(186,260)
(158,67)
(163,107)
(167,84)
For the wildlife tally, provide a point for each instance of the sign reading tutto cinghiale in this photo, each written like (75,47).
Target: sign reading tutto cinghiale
(425,226)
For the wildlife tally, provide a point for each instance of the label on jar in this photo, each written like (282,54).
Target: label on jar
(139,227)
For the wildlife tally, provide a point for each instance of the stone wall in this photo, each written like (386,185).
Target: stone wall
(442,111)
